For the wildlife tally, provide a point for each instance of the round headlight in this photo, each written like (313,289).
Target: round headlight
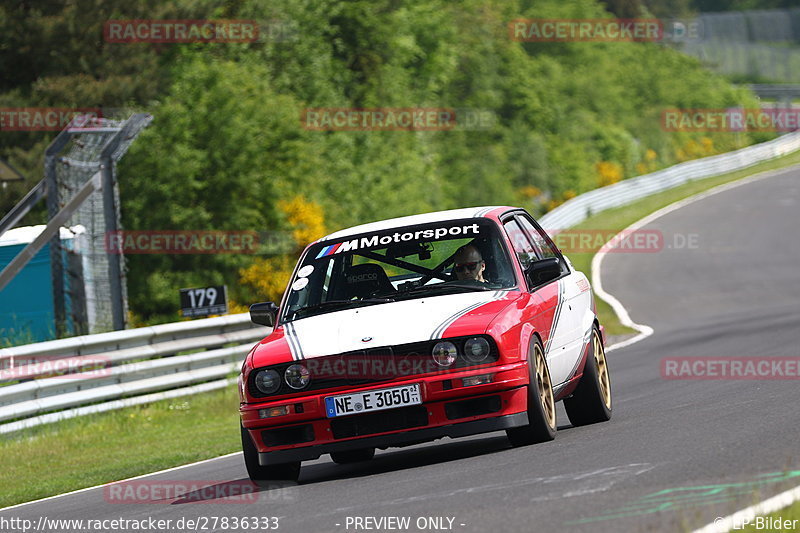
(297,376)
(444,353)
(268,381)
(476,349)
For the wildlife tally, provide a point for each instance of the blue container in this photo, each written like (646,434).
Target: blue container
(26,303)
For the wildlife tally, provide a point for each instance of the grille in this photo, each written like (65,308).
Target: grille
(391,420)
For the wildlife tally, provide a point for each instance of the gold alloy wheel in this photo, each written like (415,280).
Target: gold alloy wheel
(602,369)
(545,387)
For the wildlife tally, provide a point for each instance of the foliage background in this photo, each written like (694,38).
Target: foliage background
(227,149)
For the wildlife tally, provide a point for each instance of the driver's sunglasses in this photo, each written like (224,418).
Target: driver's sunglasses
(466,266)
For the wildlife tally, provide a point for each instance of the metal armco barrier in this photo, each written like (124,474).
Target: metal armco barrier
(576,210)
(120,368)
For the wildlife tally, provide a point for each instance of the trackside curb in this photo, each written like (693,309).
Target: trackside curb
(771,505)
(644,330)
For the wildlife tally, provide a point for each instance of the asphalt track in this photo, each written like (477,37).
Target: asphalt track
(676,453)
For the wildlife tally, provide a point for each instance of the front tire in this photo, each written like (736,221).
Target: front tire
(591,401)
(541,405)
(262,475)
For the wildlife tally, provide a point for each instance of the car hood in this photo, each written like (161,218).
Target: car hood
(392,323)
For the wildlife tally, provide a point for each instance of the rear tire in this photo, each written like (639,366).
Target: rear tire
(262,475)
(353,456)
(541,406)
(591,401)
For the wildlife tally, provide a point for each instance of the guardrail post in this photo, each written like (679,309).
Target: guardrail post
(53,206)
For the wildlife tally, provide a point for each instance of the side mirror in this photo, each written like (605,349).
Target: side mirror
(264,313)
(542,271)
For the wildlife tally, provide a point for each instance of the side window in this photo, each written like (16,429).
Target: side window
(543,247)
(522,246)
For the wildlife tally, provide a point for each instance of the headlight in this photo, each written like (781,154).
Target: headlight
(444,353)
(476,349)
(297,376)
(268,381)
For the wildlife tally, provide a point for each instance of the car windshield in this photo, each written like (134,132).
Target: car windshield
(399,263)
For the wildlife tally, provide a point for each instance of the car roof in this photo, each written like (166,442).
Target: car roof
(425,218)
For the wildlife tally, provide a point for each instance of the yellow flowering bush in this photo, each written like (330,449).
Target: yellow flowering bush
(529,192)
(306,219)
(696,149)
(267,278)
(608,173)
(649,164)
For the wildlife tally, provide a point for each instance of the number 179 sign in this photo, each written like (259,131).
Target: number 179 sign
(204,301)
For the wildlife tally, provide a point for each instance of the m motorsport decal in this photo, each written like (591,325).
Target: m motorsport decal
(374,240)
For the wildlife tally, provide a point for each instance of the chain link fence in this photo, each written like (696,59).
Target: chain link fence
(761,44)
(94,296)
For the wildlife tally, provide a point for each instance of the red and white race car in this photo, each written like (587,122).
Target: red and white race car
(408,330)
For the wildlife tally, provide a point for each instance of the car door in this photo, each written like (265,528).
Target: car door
(574,321)
(544,313)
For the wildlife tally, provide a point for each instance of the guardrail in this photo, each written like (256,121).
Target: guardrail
(142,365)
(51,380)
(577,209)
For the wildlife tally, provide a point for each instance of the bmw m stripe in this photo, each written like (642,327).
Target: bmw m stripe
(328,250)
(440,329)
(294,341)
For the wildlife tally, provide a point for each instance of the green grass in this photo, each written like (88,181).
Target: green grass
(789,513)
(95,449)
(615,220)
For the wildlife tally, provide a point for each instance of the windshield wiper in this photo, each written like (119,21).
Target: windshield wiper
(449,285)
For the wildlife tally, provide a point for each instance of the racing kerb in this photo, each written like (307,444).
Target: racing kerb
(145,364)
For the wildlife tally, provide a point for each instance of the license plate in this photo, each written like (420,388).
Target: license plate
(374,400)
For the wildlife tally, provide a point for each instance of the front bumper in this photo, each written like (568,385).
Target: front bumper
(447,410)
(416,436)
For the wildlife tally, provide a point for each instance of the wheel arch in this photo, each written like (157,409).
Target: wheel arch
(527,334)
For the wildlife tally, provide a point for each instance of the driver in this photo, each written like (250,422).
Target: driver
(468,264)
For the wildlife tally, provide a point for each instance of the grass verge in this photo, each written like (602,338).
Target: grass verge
(96,449)
(786,520)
